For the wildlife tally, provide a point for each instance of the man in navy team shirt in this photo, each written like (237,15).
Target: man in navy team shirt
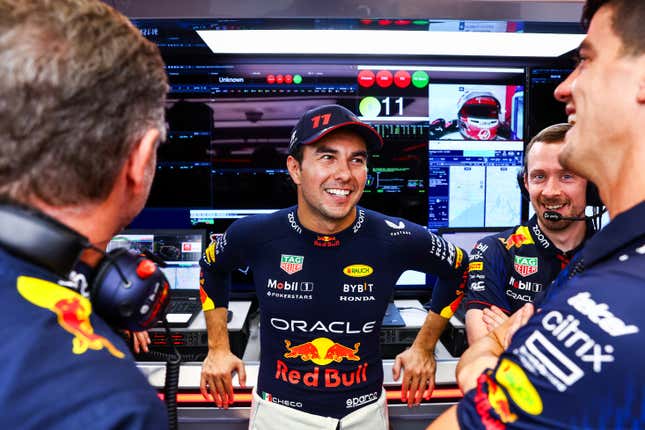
(324,271)
(578,363)
(516,266)
(82,97)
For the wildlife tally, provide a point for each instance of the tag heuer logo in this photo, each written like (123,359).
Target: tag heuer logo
(291,263)
(526,266)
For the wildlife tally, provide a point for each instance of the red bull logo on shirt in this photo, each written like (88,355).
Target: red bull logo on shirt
(73,312)
(321,351)
(522,236)
(326,241)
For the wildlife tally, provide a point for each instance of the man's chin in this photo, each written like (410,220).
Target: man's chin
(556,225)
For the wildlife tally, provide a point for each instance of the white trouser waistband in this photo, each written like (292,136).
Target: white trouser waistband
(267,415)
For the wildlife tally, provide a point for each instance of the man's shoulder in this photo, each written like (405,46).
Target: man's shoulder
(622,268)
(11,266)
(385,225)
(266,225)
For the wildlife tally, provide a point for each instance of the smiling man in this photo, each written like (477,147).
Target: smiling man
(324,271)
(514,267)
(579,362)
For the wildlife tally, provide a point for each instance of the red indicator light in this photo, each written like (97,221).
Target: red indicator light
(288,79)
(402,79)
(384,78)
(366,78)
(145,268)
(279,79)
(270,79)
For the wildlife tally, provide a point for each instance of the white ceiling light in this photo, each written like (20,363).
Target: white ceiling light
(394,42)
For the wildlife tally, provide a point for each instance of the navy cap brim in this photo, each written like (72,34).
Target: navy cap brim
(373,140)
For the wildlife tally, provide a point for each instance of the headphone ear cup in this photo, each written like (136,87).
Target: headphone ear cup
(520,183)
(129,291)
(593,196)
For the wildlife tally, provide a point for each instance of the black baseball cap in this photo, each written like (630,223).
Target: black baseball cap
(318,122)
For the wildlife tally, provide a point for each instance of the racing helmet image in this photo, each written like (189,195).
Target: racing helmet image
(478,115)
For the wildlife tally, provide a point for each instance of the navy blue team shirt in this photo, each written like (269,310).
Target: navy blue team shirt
(322,300)
(578,363)
(62,366)
(515,267)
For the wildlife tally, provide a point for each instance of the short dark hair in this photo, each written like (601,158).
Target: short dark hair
(627,21)
(552,134)
(79,87)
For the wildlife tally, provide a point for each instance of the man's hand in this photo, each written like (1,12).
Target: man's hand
(418,379)
(493,317)
(140,340)
(505,332)
(485,353)
(217,377)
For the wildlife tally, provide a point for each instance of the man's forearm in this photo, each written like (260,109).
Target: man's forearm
(430,332)
(216,327)
(480,356)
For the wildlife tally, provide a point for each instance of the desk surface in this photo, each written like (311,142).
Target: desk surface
(240,311)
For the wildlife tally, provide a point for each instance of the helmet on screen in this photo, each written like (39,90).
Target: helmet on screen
(478,115)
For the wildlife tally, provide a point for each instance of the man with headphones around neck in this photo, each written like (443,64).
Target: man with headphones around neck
(81,115)
(516,266)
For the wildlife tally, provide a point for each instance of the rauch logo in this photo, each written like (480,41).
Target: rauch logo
(358,270)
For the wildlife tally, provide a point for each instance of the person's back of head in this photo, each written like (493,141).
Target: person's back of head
(80,86)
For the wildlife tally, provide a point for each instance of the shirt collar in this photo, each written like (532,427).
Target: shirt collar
(620,232)
(541,239)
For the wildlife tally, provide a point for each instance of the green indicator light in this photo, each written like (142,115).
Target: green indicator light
(369,107)
(420,79)
(297,79)
(420,22)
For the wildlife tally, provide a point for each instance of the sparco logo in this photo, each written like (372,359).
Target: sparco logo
(540,236)
(290,286)
(361,400)
(359,221)
(294,225)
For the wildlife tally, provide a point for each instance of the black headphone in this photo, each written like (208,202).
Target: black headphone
(129,291)
(592,194)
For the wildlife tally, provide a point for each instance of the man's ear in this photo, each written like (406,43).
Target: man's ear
(294,169)
(142,155)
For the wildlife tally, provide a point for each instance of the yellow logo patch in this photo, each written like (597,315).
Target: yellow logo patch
(521,390)
(209,253)
(476,265)
(358,270)
(72,309)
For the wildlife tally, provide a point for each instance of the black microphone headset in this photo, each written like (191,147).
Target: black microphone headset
(129,291)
